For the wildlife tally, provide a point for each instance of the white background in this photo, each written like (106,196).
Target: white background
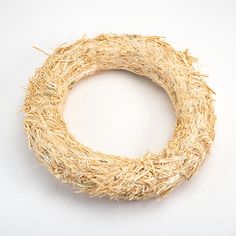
(119,113)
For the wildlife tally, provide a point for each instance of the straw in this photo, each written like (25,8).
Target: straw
(117,177)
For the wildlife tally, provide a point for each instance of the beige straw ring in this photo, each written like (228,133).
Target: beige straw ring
(117,177)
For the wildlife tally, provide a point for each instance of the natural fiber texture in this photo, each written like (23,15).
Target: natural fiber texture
(118,177)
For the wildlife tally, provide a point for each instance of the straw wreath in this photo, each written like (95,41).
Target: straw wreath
(117,177)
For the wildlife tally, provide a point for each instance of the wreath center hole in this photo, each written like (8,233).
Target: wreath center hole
(120,113)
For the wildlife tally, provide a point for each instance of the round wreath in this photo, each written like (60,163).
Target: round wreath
(118,177)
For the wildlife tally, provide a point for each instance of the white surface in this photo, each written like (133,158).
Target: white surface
(120,113)
(32,202)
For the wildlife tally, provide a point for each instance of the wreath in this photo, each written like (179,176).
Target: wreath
(117,177)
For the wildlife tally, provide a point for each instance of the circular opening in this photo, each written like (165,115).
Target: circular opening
(120,113)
